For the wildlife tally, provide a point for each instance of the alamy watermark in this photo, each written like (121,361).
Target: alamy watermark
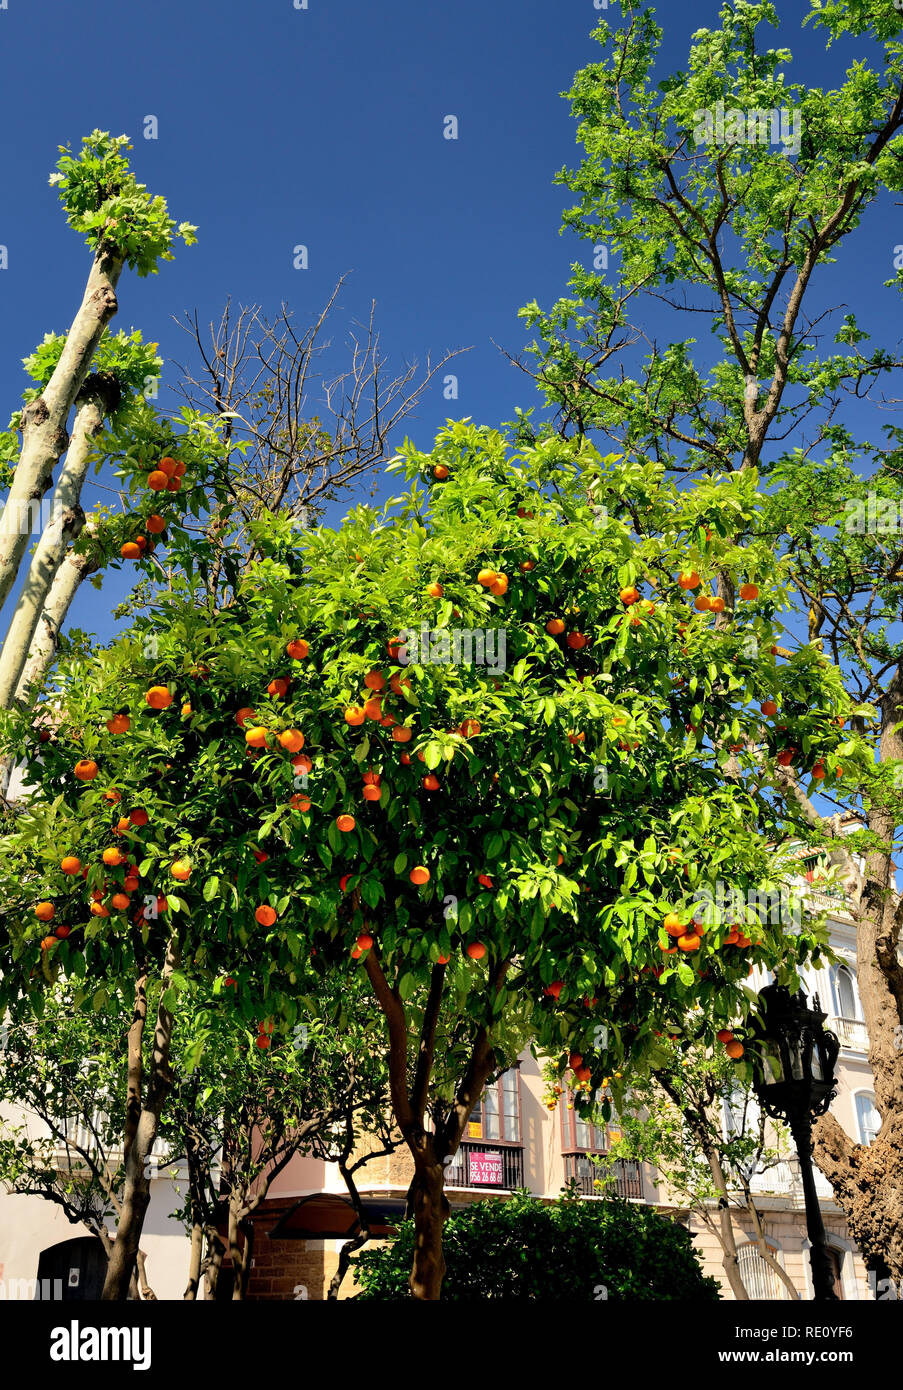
(727,903)
(756,126)
(460,646)
(30,518)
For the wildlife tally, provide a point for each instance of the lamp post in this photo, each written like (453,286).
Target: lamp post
(795,1082)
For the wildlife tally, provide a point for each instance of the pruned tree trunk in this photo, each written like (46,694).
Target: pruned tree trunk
(725,1229)
(44,420)
(66,522)
(213,1263)
(136,1188)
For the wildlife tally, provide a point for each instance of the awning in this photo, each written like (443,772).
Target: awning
(328,1216)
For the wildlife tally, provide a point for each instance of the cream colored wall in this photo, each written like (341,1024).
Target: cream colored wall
(29,1225)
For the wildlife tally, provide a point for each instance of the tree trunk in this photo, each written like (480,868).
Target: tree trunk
(65,524)
(431,1209)
(725,1230)
(194,1262)
(44,437)
(240,1253)
(136,1189)
(213,1263)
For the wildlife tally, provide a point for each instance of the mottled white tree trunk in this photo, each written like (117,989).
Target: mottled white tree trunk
(44,420)
(66,522)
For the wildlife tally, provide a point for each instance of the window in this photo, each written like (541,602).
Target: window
(496,1114)
(577,1134)
(867,1118)
(845,992)
(759,1279)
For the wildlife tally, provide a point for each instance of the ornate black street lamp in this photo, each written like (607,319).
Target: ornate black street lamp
(795,1082)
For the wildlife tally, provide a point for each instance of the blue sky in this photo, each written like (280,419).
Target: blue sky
(324,126)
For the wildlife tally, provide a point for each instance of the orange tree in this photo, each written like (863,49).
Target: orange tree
(488,745)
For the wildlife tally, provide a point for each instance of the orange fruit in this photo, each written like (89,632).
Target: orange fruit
(689,942)
(373,708)
(187,711)
(179,470)
(443,960)
(375,680)
(130,551)
(372,793)
(734,1048)
(71,865)
(818,771)
(688,579)
(297,649)
(402,734)
(167,465)
(302,764)
(262,1041)
(174,485)
(440,472)
(257,737)
(86,769)
(47,942)
(278,688)
(398,683)
(768,707)
(435,590)
(499,585)
(265,915)
(526,566)
(717,604)
(486,577)
(260,855)
(62,931)
(292,740)
(470,728)
(120,901)
(44,912)
(371,778)
(582,1073)
(732,937)
(419,875)
(364,941)
(299,802)
(181,870)
(243,715)
(476,950)
(98,910)
(112,795)
(749,591)
(672,925)
(430,782)
(158,697)
(786,756)
(485,880)
(354,715)
(405,759)
(345,823)
(523,513)
(155,524)
(131,883)
(724,1035)
(629,595)
(555,626)
(703,603)
(157,480)
(576,640)
(139,816)
(112,857)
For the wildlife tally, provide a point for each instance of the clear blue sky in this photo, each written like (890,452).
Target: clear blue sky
(324,126)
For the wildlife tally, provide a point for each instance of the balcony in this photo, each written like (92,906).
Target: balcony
(783,1180)
(499,1167)
(851,1033)
(599,1179)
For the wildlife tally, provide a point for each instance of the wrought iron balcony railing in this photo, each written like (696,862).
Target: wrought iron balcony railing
(479,1163)
(599,1179)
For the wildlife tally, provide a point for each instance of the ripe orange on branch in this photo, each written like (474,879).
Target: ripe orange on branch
(297,649)
(158,697)
(86,769)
